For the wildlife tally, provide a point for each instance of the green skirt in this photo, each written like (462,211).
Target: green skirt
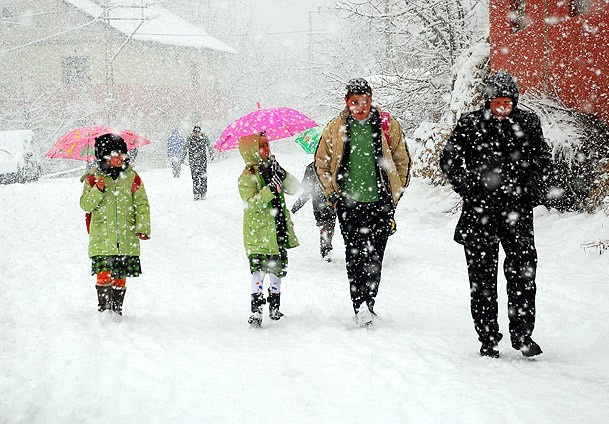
(271,264)
(119,266)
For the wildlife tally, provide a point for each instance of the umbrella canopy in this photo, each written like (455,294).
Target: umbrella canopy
(79,143)
(279,122)
(309,139)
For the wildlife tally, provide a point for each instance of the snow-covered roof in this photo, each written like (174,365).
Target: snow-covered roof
(159,24)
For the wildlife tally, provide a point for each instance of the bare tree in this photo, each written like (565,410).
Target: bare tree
(414,46)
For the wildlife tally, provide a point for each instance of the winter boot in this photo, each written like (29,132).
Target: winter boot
(490,348)
(363,317)
(104,296)
(257,301)
(118,295)
(274,301)
(326,256)
(527,347)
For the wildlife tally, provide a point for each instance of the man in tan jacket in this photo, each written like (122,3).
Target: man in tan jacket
(363,164)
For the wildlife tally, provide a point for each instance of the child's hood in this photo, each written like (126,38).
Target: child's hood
(249,147)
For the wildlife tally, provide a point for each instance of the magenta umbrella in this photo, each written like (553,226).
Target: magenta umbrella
(278,122)
(79,143)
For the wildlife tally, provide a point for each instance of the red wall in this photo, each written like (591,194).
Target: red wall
(559,54)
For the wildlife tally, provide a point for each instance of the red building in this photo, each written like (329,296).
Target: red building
(560,47)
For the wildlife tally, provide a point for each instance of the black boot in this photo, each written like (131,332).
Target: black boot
(257,301)
(527,346)
(104,295)
(490,346)
(118,295)
(274,301)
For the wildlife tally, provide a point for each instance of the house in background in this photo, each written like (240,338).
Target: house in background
(558,47)
(130,64)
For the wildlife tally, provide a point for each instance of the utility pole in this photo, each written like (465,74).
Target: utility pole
(109,100)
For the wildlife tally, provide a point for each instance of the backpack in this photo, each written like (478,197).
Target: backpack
(137,181)
(385,120)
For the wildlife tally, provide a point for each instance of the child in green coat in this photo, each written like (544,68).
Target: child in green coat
(267,227)
(118,217)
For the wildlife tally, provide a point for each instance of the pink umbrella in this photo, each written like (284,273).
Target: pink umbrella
(79,143)
(279,122)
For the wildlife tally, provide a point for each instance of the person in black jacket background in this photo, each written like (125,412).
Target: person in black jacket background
(498,162)
(325,215)
(198,146)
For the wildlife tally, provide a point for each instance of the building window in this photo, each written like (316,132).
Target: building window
(7,12)
(517,15)
(577,7)
(76,70)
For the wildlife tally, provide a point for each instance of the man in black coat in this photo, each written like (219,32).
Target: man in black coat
(197,147)
(498,162)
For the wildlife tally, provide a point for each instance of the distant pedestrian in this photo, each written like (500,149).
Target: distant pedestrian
(498,161)
(118,217)
(325,215)
(175,152)
(198,147)
(363,164)
(267,227)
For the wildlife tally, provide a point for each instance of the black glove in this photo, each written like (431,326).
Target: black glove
(276,169)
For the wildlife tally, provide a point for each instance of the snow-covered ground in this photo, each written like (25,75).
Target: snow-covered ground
(184,353)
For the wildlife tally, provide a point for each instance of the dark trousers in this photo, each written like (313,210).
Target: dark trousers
(176,167)
(519,267)
(326,232)
(198,170)
(365,229)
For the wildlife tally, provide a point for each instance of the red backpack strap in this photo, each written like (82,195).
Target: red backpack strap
(91,181)
(137,181)
(385,120)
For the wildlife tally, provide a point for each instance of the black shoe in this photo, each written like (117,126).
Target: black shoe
(255,320)
(275,315)
(363,317)
(325,254)
(527,347)
(489,349)
(371,309)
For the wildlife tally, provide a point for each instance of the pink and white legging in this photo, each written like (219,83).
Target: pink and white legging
(258,282)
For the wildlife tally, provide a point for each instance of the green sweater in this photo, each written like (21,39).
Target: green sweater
(360,183)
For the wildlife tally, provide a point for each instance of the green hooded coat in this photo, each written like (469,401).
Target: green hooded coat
(117,214)
(259,227)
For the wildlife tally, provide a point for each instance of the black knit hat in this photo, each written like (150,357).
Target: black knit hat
(358,86)
(107,143)
(501,84)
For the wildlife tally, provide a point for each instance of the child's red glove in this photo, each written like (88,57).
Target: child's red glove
(143,236)
(99,182)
